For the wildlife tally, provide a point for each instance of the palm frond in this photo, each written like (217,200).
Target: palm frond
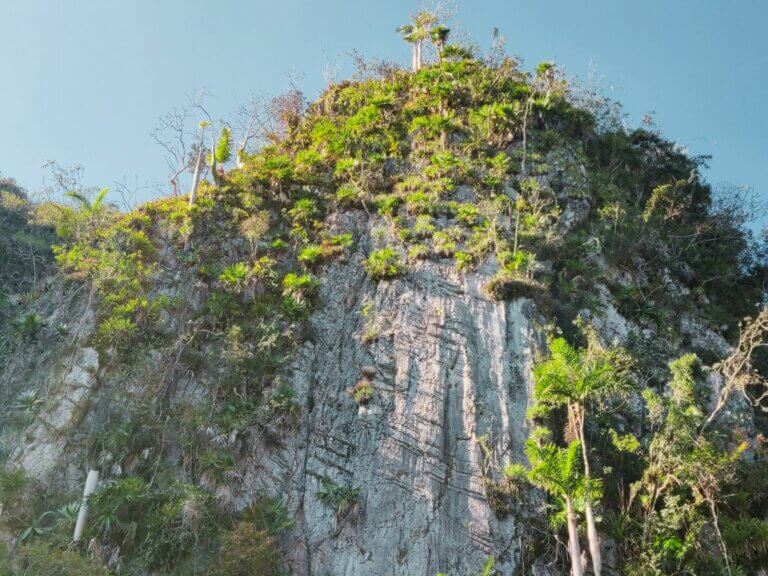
(746,538)
(79,197)
(223,150)
(98,200)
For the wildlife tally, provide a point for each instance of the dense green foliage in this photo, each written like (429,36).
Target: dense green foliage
(25,253)
(673,498)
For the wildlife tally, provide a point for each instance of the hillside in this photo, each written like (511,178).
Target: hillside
(387,340)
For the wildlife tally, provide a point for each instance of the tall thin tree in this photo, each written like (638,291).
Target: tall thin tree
(575,379)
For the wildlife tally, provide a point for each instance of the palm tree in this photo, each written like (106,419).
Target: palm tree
(416,33)
(407,32)
(575,379)
(557,471)
(90,210)
(439,36)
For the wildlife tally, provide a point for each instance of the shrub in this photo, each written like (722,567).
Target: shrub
(506,285)
(116,329)
(28,326)
(423,226)
(263,268)
(384,264)
(295,308)
(15,488)
(464,260)
(40,560)
(303,211)
(248,551)
(255,227)
(348,195)
(445,243)
(520,262)
(386,205)
(418,252)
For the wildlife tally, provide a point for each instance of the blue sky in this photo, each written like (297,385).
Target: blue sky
(84,81)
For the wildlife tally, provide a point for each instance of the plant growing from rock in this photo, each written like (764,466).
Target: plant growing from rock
(362,392)
(341,499)
(384,264)
(268,514)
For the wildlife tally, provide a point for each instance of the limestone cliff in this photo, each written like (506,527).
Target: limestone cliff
(335,344)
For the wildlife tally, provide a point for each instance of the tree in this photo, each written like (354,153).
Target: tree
(557,471)
(684,470)
(198,163)
(415,34)
(576,379)
(739,375)
(172,133)
(439,36)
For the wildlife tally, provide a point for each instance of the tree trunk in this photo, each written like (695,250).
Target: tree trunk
(196,177)
(418,56)
(574,549)
(594,540)
(592,537)
(91,482)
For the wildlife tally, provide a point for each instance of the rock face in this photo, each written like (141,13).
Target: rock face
(451,375)
(43,454)
(450,368)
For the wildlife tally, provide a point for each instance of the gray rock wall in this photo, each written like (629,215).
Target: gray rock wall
(449,366)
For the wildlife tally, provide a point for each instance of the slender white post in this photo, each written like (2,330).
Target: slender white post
(82,516)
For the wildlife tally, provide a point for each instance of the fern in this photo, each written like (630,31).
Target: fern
(90,207)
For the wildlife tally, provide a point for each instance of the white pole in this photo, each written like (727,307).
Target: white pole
(82,515)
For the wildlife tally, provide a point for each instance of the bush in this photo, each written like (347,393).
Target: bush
(384,264)
(248,551)
(40,560)
(418,252)
(505,285)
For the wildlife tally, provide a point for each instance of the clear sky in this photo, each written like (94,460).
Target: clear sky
(84,81)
